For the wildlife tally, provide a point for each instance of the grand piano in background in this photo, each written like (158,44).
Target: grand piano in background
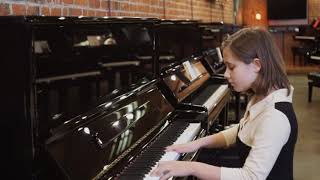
(308,37)
(56,68)
(189,85)
(313,55)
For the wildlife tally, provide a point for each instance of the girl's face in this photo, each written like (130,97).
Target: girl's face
(241,76)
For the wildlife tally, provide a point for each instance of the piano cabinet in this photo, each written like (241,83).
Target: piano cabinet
(55,68)
(78,96)
(189,86)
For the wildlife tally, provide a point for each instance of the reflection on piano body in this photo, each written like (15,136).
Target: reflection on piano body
(213,61)
(83,105)
(187,89)
(178,39)
(175,40)
(212,34)
(55,68)
(123,138)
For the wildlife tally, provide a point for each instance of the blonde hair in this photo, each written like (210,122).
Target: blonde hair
(249,43)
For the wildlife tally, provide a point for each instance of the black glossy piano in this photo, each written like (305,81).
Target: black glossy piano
(213,61)
(189,85)
(308,37)
(313,54)
(125,137)
(212,34)
(178,39)
(81,104)
(175,40)
(55,68)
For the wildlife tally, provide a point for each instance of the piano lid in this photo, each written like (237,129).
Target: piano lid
(185,78)
(76,63)
(46,20)
(177,40)
(77,48)
(94,145)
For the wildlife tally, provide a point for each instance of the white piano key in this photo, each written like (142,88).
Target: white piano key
(315,57)
(215,97)
(188,135)
(306,37)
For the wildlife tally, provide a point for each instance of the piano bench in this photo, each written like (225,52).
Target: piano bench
(313,81)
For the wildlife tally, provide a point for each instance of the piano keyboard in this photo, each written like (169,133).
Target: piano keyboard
(215,97)
(176,133)
(315,57)
(305,37)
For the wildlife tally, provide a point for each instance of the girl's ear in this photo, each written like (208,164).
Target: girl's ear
(256,64)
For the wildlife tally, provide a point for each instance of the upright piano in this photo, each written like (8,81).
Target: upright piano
(80,103)
(175,40)
(123,138)
(213,61)
(178,39)
(212,34)
(54,69)
(189,85)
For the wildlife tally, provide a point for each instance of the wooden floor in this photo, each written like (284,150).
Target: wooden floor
(307,152)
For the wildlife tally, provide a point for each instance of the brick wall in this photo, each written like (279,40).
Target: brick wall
(206,10)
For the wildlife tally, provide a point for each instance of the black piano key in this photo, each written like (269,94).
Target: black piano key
(152,154)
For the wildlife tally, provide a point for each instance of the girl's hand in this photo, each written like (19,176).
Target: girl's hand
(183,148)
(168,169)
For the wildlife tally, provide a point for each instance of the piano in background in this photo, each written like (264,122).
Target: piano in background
(189,85)
(308,38)
(212,34)
(177,39)
(213,61)
(313,56)
(54,69)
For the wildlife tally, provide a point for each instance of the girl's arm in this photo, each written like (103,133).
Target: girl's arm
(219,140)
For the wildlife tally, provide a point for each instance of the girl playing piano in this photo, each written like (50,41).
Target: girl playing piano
(266,135)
